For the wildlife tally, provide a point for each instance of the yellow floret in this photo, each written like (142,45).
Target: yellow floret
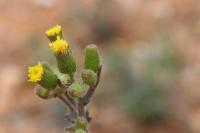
(59,46)
(54,31)
(35,73)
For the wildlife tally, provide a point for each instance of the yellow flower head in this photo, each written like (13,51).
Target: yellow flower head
(54,31)
(59,46)
(35,73)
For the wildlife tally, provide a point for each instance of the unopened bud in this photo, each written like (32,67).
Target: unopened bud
(92,58)
(89,77)
(76,90)
(42,92)
(81,123)
(65,79)
(45,93)
(80,131)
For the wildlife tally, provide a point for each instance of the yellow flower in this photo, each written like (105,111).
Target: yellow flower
(59,46)
(35,73)
(54,31)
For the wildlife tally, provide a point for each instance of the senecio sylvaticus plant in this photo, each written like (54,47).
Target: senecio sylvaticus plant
(62,84)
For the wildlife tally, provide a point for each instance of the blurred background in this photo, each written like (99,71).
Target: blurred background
(151,63)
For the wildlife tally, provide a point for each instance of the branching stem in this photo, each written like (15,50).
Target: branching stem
(68,103)
(86,98)
(83,101)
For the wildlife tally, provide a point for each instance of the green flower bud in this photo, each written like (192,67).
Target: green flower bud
(92,58)
(66,63)
(80,131)
(76,90)
(42,92)
(89,77)
(45,93)
(81,123)
(65,79)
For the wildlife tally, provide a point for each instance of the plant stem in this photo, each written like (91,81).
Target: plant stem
(68,103)
(81,109)
(86,98)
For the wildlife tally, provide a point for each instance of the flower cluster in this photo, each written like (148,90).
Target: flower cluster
(60,46)
(55,31)
(62,84)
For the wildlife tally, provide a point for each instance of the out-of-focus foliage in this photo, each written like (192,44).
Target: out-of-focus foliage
(99,22)
(144,90)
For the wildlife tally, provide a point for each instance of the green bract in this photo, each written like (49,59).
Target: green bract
(49,79)
(66,63)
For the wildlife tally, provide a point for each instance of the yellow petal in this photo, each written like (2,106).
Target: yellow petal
(35,73)
(54,31)
(59,46)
